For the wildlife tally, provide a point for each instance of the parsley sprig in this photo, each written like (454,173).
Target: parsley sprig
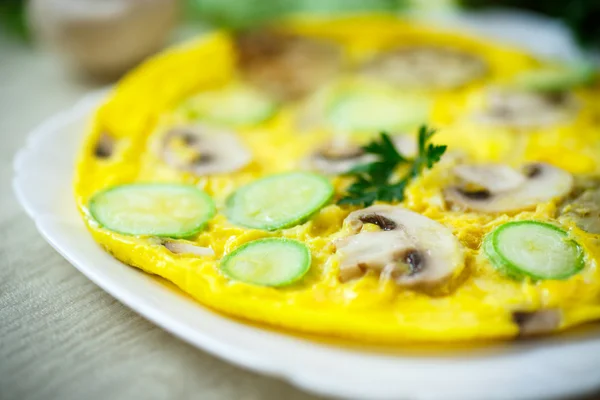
(374,181)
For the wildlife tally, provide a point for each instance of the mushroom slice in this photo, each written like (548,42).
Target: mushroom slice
(583,207)
(411,249)
(178,247)
(105,146)
(532,323)
(492,188)
(286,65)
(426,66)
(203,151)
(406,145)
(339,157)
(494,177)
(519,108)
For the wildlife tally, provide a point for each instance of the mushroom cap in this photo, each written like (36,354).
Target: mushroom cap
(502,191)
(285,65)
(584,210)
(426,66)
(105,146)
(180,247)
(532,323)
(216,151)
(416,252)
(494,177)
(520,108)
(339,157)
(336,159)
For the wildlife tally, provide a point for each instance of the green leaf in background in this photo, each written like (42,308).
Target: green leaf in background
(12,17)
(244,14)
(581,16)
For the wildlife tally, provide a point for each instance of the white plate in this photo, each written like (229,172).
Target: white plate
(549,368)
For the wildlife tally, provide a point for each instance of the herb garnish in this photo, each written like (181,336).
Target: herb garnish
(373,181)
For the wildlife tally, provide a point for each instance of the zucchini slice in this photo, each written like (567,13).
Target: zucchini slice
(165,210)
(234,106)
(534,249)
(279,201)
(377,110)
(268,262)
(556,80)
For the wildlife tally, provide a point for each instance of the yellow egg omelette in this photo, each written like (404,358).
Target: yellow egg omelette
(364,177)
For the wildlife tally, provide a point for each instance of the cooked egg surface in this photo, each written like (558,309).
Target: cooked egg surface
(479,303)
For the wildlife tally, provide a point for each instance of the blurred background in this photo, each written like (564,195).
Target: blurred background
(103,39)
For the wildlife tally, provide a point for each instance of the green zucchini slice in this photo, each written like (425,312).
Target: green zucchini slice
(372,111)
(234,106)
(534,249)
(556,80)
(165,210)
(279,201)
(268,262)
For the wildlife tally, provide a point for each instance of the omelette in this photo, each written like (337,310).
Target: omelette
(364,177)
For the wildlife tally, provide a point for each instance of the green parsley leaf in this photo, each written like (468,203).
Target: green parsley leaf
(373,181)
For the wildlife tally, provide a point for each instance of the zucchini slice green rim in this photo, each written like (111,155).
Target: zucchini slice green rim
(401,111)
(530,254)
(277,261)
(244,206)
(235,106)
(548,80)
(108,201)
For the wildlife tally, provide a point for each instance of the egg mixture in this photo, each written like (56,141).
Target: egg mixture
(220,164)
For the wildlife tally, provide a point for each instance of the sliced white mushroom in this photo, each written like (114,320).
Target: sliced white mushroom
(494,177)
(426,66)
(340,156)
(518,108)
(583,205)
(335,159)
(539,322)
(207,151)
(179,247)
(287,66)
(492,188)
(105,146)
(410,249)
(406,145)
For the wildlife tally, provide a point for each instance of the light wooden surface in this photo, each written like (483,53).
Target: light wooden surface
(61,337)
